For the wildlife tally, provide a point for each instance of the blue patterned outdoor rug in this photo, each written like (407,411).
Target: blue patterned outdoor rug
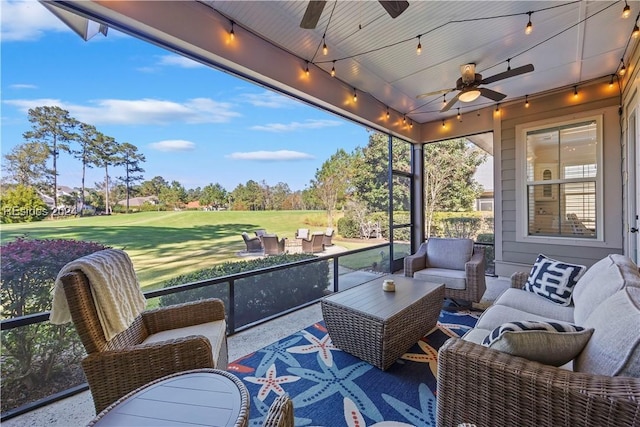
(332,388)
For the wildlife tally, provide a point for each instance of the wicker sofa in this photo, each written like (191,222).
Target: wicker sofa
(454,262)
(601,386)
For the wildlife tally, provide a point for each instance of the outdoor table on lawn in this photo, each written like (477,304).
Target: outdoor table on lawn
(203,397)
(378,326)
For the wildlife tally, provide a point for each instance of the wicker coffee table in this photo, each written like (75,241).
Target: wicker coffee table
(378,326)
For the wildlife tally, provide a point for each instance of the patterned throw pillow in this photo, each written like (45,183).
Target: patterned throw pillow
(551,343)
(553,279)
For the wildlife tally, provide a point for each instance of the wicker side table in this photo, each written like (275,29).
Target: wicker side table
(377,326)
(204,397)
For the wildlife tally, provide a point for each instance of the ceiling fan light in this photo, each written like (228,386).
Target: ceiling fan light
(469,96)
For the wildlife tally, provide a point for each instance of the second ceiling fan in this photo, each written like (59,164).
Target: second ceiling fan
(315,8)
(468,85)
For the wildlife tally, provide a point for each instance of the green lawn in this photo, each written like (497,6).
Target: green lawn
(166,244)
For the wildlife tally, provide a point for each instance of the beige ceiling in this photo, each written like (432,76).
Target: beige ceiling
(572,43)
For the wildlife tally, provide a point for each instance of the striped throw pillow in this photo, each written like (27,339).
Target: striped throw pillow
(551,343)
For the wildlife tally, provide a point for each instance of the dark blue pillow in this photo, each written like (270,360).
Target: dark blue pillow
(554,279)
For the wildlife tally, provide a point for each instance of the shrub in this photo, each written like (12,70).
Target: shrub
(22,204)
(257,296)
(348,228)
(462,227)
(33,355)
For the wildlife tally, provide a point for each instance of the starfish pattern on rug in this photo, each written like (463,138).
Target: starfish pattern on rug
(334,380)
(278,351)
(323,346)
(271,382)
(426,416)
(429,356)
(354,418)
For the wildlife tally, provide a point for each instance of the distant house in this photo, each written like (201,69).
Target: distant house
(484,177)
(194,205)
(136,202)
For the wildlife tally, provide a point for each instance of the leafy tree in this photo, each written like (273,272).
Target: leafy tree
(279,194)
(174,195)
(194,194)
(448,177)
(88,140)
(22,204)
(153,186)
(333,181)
(130,159)
(213,195)
(26,164)
(55,128)
(106,154)
(248,197)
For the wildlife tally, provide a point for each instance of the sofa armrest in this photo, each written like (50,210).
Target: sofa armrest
(183,315)
(475,273)
(488,388)
(138,365)
(518,279)
(417,261)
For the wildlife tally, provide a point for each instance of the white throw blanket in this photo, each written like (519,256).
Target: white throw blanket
(114,286)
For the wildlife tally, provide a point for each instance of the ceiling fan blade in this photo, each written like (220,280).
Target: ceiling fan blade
(394,8)
(492,94)
(437,92)
(450,103)
(312,14)
(509,73)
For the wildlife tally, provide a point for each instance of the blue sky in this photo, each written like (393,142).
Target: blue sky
(194,124)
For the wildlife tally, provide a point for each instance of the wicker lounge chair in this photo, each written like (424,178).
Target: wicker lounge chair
(328,235)
(159,342)
(302,233)
(254,244)
(271,244)
(260,232)
(454,262)
(314,243)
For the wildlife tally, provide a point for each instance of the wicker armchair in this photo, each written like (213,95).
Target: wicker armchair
(454,262)
(486,387)
(254,244)
(314,243)
(328,235)
(159,342)
(271,244)
(280,413)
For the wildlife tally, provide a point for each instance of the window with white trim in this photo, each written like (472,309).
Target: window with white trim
(561,178)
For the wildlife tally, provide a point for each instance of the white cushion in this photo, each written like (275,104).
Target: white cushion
(452,279)
(614,348)
(553,279)
(449,253)
(496,315)
(551,343)
(535,304)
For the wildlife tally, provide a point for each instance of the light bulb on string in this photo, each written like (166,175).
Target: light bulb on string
(459,116)
(232,33)
(404,119)
(611,81)
(443,125)
(355,95)
(325,49)
(411,124)
(333,69)
(623,69)
(388,115)
(497,109)
(526,101)
(306,70)
(636,31)
(419,48)
(444,99)
(575,91)
(529,28)
(626,11)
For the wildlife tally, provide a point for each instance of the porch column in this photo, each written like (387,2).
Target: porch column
(417,197)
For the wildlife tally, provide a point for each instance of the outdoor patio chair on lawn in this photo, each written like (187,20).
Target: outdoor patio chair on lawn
(157,343)
(314,243)
(328,235)
(271,244)
(254,244)
(260,232)
(302,233)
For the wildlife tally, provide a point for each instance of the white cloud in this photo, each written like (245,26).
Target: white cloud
(23,86)
(271,156)
(293,126)
(173,145)
(269,99)
(140,111)
(27,20)
(179,61)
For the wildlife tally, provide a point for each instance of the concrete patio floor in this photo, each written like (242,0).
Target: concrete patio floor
(78,410)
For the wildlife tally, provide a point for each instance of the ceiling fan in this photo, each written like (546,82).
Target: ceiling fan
(468,85)
(315,8)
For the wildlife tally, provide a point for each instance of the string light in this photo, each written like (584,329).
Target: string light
(325,49)
(459,116)
(232,33)
(411,124)
(529,28)
(575,91)
(623,69)
(333,69)
(611,81)
(355,95)
(306,70)
(636,31)
(444,99)
(626,11)
(419,48)
(443,125)
(526,101)
(498,109)
(388,115)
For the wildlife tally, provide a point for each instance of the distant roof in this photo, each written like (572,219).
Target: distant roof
(139,201)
